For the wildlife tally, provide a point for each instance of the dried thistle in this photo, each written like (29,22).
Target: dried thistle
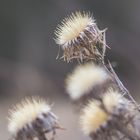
(113,101)
(32,118)
(87,80)
(80,38)
(113,117)
(93,117)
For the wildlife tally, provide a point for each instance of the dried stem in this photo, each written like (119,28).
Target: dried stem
(121,86)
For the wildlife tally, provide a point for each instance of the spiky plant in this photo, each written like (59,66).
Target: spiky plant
(80,38)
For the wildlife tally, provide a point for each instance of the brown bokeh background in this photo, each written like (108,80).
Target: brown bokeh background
(28,64)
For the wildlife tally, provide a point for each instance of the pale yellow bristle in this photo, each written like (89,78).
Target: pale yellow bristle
(93,118)
(111,100)
(83,79)
(72,26)
(25,113)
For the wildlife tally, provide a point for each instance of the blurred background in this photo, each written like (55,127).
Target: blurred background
(28,64)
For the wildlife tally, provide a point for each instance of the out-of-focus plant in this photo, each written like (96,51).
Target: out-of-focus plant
(32,118)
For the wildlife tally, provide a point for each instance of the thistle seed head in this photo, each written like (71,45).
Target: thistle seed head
(84,78)
(80,38)
(31,116)
(93,118)
(114,102)
(105,119)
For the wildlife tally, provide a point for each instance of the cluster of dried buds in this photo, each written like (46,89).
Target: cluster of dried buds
(109,111)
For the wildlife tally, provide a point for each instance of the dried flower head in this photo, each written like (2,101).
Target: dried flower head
(84,78)
(114,102)
(80,38)
(30,118)
(102,120)
(123,116)
(93,118)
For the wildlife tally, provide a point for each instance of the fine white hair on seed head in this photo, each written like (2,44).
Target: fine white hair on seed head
(73,26)
(93,117)
(84,78)
(113,101)
(26,113)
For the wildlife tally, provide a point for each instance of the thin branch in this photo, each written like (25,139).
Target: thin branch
(121,86)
